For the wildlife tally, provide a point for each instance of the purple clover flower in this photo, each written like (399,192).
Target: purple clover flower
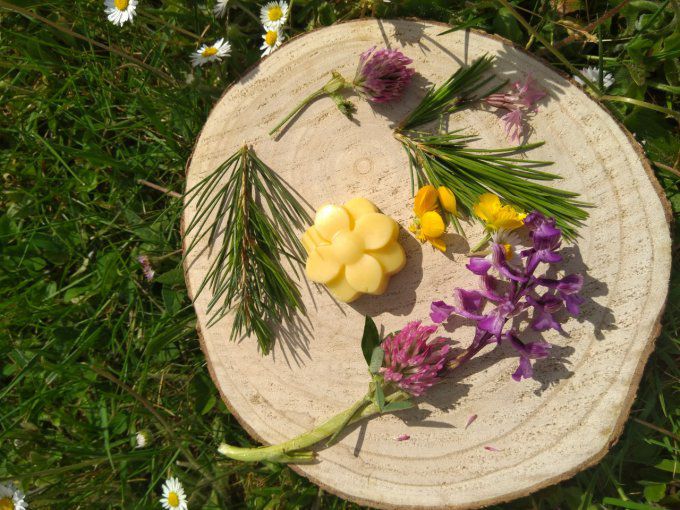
(517,290)
(413,361)
(520,101)
(382,75)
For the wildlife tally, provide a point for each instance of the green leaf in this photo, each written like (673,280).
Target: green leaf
(398,406)
(377,357)
(506,25)
(655,492)
(668,465)
(637,49)
(380,397)
(631,505)
(172,277)
(370,339)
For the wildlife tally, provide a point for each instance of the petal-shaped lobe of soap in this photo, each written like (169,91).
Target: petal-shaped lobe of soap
(321,265)
(377,230)
(331,219)
(341,289)
(358,207)
(366,275)
(311,239)
(392,258)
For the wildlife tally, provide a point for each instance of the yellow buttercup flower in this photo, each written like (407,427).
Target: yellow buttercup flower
(496,216)
(428,225)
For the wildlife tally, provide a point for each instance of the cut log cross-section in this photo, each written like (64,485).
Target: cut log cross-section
(541,430)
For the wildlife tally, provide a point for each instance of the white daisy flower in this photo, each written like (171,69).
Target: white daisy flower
(173,495)
(220,8)
(12,498)
(211,52)
(273,15)
(272,40)
(142,439)
(593,74)
(120,11)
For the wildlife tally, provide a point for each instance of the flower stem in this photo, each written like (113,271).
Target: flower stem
(311,97)
(295,450)
(481,244)
(335,85)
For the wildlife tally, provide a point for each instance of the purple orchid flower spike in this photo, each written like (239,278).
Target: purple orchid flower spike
(512,290)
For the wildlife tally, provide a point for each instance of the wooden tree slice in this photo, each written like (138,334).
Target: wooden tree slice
(544,430)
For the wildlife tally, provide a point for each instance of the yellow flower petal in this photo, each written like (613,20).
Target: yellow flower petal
(507,219)
(432,224)
(437,242)
(321,265)
(366,275)
(425,200)
(376,230)
(331,219)
(487,207)
(447,199)
(357,207)
(497,216)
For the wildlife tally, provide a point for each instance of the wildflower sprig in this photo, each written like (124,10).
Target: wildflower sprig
(249,217)
(407,363)
(447,158)
(381,77)
(401,366)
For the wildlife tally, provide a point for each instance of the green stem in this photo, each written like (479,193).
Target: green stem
(335,84)
(642,104)
(482,243)
(311,97)
(295,450)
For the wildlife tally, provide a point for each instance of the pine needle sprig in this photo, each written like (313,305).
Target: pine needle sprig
(447,158)
(249,217)
(452,95)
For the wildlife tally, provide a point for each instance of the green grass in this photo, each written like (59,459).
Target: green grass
(93,353)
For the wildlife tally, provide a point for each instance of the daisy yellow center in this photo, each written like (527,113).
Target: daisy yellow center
(121,5)
(275,13)
(507,248)
(6,504)
(173,499)
(271,38)
(209,52)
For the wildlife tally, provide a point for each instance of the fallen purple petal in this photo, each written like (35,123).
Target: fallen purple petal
(470,420)
(403,437)
(492,449)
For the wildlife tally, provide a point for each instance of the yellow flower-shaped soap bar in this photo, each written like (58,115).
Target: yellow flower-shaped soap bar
(353,249)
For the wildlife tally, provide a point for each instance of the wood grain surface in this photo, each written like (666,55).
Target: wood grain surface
(544,429)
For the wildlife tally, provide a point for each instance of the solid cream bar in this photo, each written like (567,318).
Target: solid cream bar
(353,249)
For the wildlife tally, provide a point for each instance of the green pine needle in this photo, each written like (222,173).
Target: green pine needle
(249,216)
(450,96)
